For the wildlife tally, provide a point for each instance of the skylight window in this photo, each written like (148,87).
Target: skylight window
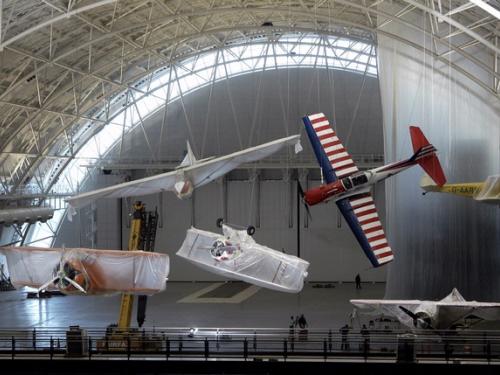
(168,83)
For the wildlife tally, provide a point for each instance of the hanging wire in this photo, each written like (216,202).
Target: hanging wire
(164,128)
(252,180)
(184,111)
(257,100)
(356,107)
(231,103)
(209,106)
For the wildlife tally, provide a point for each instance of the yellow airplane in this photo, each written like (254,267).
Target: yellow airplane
(487,191)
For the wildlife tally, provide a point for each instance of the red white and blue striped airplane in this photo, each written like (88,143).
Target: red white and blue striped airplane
(351,189)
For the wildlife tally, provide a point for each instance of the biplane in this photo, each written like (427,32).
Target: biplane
(87,271)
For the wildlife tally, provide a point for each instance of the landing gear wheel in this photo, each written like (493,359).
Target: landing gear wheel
(219,222)
(251,230)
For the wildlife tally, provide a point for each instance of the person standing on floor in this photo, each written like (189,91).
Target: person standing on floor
(292,325)
(365,333)
(291,331)
(344,331)
(358,281)
(303,327)
(302,321)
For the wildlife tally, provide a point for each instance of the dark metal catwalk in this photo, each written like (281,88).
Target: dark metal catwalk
(208,344)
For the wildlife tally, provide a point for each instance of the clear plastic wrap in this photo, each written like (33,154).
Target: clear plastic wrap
(443,314)
(236,255)
(490,192)
(87,271)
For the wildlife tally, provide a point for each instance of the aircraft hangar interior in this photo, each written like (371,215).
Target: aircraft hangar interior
(196,186)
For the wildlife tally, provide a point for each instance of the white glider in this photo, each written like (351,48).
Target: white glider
(189,175)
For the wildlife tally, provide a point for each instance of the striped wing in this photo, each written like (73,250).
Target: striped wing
(361,215)
(333,158)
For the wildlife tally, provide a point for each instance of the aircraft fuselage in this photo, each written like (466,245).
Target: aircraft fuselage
(354,184)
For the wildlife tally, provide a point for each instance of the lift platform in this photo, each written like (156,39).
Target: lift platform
(121,337)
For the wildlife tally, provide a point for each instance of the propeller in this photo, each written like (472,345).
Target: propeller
(75,284)
(416,318)
(61,274)
(46,285)
(302,195)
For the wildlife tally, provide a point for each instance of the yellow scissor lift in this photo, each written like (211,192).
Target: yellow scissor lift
(121,336)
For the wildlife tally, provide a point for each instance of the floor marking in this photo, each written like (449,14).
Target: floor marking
(237,298)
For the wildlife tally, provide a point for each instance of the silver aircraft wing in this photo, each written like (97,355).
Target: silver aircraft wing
(449,314)
(143,186)
(204,172)
(199,173)
(31,266)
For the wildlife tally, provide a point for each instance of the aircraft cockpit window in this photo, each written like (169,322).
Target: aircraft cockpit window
(347,183)
(359,179)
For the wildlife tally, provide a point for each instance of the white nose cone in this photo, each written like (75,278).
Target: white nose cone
(183,189)
(298,147)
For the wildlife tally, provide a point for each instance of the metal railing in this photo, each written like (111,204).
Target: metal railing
(253,344)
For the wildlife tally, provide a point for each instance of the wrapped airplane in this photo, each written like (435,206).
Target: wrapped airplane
(87,271)
(452,312)
(236,255)
(189,175)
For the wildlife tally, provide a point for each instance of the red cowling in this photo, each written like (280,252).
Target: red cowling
(323,192)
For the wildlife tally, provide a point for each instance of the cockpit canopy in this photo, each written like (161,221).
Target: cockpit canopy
(354,180)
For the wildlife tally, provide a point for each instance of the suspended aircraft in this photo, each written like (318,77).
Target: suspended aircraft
(87,271)
(451,312)
(485,192)
(236,255)
(351,189)
(189,175)
(18,209)
(20,215)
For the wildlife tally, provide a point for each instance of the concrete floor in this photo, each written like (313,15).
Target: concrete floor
(323,308)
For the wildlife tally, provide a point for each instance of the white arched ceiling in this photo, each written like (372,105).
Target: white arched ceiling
(65,62)
(131,109)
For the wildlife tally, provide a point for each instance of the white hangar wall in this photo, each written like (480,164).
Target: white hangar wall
(267,106)
(440,241)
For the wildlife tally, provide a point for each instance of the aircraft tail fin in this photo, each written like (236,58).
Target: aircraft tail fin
(425,156)
(189,159)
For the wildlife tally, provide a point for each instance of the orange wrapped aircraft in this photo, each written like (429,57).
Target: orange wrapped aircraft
(87,271)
